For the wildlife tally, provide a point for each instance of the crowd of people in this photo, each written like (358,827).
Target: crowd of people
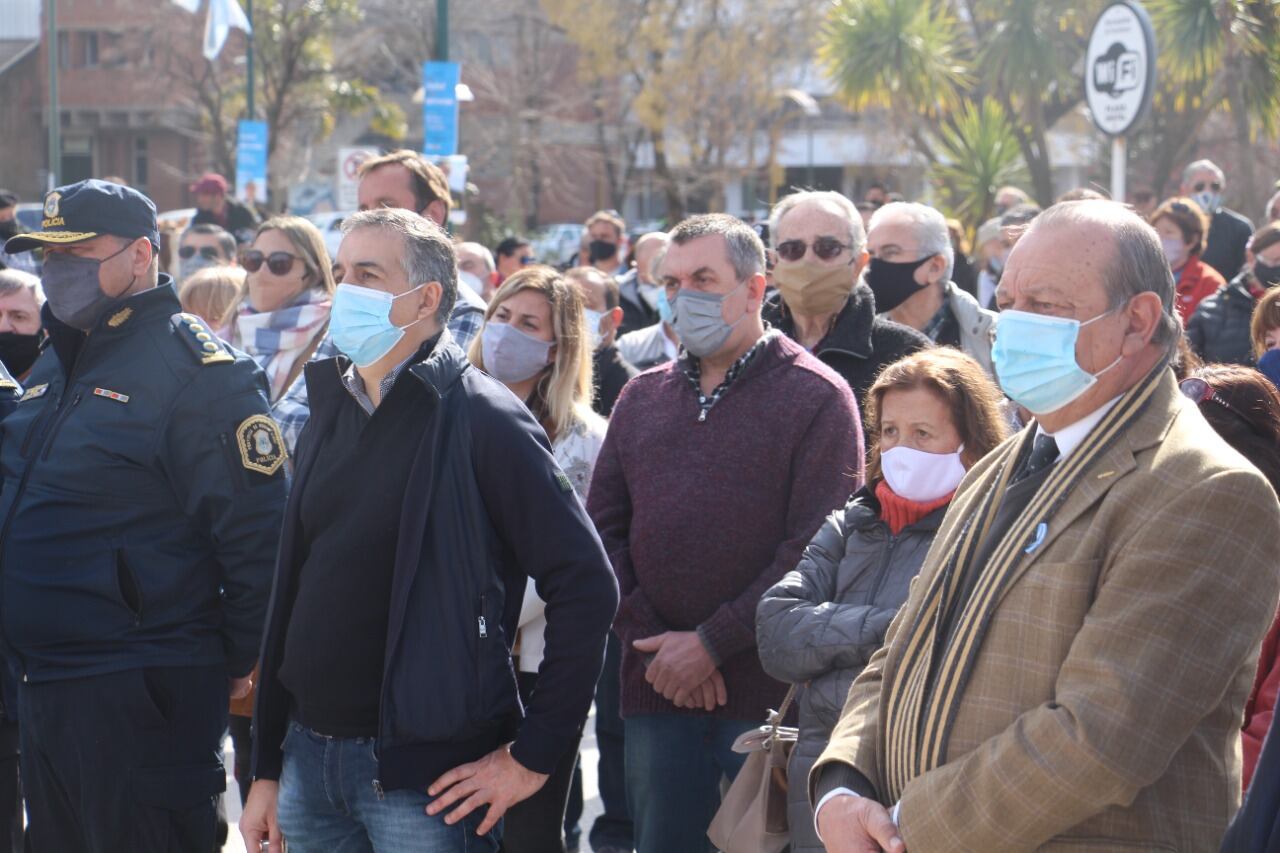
(997,524)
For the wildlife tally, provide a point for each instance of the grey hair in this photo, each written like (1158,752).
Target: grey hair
(1138,264)
(428,251)
(11,281)
(832,200)
(485,255)
(929,226)
(746,252)
(1203,166)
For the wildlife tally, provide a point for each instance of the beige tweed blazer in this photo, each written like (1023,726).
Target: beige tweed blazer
(1104,709)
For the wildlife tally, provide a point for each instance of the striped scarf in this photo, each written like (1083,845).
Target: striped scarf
(277,338)
(919,710)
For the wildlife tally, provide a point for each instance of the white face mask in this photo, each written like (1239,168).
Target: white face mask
(919,476)
(649,293)
(593,319)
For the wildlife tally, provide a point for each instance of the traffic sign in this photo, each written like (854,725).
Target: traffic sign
(1120,67)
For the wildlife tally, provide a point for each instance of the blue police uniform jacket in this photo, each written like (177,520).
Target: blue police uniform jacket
(143,490)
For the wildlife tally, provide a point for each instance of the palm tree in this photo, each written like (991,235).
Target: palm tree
(981,153)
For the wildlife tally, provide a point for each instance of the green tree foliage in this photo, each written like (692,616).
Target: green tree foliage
(980,154)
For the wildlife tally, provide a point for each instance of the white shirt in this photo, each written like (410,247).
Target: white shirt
(1068,439)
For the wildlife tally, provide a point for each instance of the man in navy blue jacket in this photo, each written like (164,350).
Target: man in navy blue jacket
(425,496)
(144,484)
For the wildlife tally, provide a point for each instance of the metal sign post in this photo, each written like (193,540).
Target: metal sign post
(1120,73)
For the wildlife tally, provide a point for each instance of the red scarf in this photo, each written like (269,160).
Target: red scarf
(899,513)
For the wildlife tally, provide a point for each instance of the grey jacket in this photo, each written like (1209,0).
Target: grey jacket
(977,326)
(821,623)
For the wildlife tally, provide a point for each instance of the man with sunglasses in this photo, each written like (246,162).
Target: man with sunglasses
(1229,232)
(821,302)
(912,261)
(143,493)
(205,245)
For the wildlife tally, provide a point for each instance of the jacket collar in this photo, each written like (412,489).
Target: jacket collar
(438,368)
(851,333)
(159,302)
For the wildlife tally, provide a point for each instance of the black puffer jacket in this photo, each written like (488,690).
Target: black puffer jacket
(822,622)
(1219,330)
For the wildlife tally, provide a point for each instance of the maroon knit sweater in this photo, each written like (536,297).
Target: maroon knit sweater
(700,519)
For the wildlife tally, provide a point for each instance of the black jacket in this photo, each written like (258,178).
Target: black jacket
(240,220)
(486,507)
(144,485)
(1256,827)
(1219,329)
(1229,234)
(861,343)
(636,313)
(610,372)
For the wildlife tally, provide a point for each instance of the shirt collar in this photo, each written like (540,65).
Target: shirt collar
(1069,437)
(354,382)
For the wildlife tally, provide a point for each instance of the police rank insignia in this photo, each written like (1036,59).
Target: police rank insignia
(261,445)
(34,391)
(111,395)
(119,318)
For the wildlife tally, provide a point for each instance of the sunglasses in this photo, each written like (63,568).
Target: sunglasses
(1215,186)
(209,253)
(1199,392)
(824,248)
(525,260)
(278,262)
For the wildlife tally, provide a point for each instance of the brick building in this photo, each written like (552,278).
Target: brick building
(119,111)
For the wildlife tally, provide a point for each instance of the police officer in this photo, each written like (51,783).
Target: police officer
(143,490)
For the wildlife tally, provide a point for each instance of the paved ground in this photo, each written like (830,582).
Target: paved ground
(590,789)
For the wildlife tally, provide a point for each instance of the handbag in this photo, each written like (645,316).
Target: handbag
(753,814)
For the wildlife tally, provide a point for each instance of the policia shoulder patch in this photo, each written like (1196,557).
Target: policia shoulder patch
(196,335)
(261,445)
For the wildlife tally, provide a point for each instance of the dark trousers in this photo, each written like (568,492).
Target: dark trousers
(129,761)
(536,825)
(242,742)
(11,832)
(613,827)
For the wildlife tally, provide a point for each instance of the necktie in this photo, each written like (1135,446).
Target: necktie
(1044,452)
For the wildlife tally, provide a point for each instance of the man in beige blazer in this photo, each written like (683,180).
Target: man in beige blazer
(1071,668)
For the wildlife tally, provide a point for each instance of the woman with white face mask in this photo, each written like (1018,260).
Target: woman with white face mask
(929,417)
(535,341)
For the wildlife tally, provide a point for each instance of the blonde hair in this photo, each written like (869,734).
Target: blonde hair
(213,294)
(563,393)
(309,244)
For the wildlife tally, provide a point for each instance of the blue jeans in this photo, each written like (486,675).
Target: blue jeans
(674,766)
(328,804)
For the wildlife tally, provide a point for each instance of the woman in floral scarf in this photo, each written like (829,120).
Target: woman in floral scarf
(285,314)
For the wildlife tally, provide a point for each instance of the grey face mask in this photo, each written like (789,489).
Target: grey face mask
(699,320)
(71,284)
(510,355)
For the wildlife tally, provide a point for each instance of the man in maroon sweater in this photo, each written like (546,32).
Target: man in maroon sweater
(717,470)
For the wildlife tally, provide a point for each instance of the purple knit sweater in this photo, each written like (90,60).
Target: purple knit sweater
(700,519)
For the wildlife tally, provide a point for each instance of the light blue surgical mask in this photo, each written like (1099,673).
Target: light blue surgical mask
(1035,360)
(664,307)
(593,319)
(360,322)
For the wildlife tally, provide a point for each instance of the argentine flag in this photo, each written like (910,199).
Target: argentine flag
(222,17)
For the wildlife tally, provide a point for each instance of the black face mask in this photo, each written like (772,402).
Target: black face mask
(8,229)
(601,250)
(893,283)
(18,351)
(1265,274)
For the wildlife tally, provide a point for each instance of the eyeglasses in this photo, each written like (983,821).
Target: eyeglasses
(1215,186)
(824,248)
(278,262)
(209,253)
(1180,207)
(1199,391)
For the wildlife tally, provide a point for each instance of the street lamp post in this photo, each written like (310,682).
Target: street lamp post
(808,106)
(442,31)
(55,115)
(248,58)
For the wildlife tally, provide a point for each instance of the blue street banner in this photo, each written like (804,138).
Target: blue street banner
(440,109)
(251,162)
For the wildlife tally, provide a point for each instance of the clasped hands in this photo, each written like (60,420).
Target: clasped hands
(681,670)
